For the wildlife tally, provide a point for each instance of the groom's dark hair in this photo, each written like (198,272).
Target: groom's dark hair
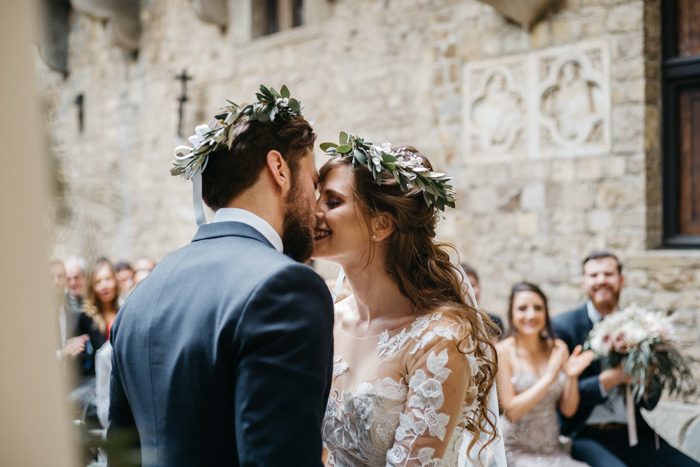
(230,172)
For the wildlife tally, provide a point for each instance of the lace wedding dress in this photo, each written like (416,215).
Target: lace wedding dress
(400,398)
(534,439)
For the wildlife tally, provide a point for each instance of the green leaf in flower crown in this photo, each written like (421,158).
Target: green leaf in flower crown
(325,146)
(294,105)
(360,156)
(284,91)
(344,149)
(343,138)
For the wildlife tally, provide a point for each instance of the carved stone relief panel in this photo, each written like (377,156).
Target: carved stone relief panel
(572,100)
(495,108)
(550,103)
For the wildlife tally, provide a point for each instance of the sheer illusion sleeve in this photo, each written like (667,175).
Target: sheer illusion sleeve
(439,377)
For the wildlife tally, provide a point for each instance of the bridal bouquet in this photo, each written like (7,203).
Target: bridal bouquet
(643,342)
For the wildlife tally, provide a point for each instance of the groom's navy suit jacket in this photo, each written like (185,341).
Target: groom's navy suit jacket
(223,356)
(573,328)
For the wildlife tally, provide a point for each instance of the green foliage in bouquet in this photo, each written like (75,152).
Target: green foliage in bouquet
(655,366)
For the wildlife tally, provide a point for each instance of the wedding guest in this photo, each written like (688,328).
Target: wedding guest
(64,319)
(125,278)
(142,268)
(413,362)
(75,277)
(599,427)
(78,335)
(536,375)
(102,299)
(474,280)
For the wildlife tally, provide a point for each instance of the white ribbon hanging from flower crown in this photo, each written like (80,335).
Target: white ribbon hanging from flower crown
(197,201)
(183,153)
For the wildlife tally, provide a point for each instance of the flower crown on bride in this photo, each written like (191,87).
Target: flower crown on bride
(405,167)
(271,105)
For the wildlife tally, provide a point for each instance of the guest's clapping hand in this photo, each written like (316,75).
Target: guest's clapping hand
(557,358)
(578,361)
(75,346)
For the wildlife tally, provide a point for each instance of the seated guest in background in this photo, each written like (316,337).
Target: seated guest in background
(75,279)
(536,375)
(142,268)
(79,336)
(474,280)
(599,426)
(65,319)
(125,278)
(101,302)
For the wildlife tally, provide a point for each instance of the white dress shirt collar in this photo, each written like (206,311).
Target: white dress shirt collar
(248,218)
(593,314)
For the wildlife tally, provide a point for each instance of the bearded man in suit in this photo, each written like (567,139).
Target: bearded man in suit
(223,354)
(599,427)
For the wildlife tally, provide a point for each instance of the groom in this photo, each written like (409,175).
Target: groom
(223,355)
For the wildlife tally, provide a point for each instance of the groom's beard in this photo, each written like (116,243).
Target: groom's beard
(297,228)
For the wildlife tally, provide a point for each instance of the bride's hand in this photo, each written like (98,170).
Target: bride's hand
(578,361)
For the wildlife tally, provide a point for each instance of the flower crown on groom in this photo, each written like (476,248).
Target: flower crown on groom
(190,162)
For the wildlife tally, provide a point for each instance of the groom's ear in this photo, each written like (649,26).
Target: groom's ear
(279,170)
(382,226)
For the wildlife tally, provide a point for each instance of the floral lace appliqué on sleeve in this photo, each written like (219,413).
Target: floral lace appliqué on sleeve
(422,417)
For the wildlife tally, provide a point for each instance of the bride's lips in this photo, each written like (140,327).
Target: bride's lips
(320,234)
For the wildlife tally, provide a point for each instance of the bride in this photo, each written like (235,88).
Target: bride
(413,363)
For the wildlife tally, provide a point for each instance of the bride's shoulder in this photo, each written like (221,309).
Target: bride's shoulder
(343,308)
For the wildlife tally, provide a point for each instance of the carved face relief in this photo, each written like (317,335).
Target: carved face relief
(573,101)
(496,112)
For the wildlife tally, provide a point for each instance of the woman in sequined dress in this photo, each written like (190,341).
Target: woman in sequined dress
(536,375)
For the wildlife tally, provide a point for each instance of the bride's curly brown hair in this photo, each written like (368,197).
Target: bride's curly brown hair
(421,267)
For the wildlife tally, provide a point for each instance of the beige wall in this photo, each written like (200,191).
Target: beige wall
(35,422)
(400,71)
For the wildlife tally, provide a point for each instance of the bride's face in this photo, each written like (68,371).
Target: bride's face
(341,234)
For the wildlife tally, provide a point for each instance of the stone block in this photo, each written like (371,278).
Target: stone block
(627,128)
(629,69)
(626,17)
(628,92)
(483,199)
(589,168)
(533,197)
(627,46)
(563,170)
(600,220)
(527,224)
(541,35)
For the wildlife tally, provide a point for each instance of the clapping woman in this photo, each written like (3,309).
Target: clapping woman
(536,375)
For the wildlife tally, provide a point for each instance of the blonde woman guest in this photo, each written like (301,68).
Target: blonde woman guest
(536,375)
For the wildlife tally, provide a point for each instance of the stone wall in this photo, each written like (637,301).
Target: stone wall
(540,183)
